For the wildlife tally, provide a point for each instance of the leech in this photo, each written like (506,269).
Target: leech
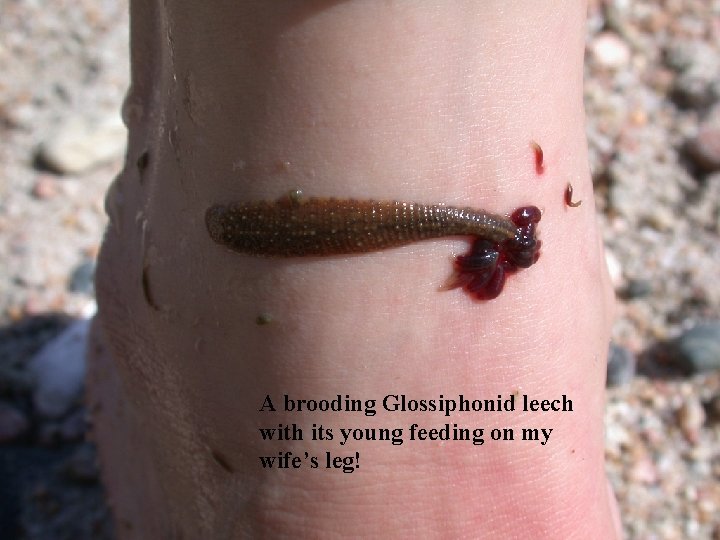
(297,227)
(539,163)
(569,196)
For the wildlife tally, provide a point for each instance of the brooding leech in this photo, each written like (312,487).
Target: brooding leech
(297,227)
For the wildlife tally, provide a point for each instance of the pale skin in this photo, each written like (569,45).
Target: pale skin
(421,101)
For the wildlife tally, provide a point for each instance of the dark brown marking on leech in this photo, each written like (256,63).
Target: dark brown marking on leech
(569,196)
(298,227)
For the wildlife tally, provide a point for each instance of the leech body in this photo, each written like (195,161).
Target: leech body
(569,196)
(539,159)
(343,226)
(297,227)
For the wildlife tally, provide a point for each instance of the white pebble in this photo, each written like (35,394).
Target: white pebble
(610,51)
(78,144)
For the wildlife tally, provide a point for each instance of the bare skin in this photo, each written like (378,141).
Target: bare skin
(422,100)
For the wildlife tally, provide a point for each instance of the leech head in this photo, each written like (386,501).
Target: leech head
(524,250)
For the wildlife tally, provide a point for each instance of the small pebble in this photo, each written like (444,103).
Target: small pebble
(698,66)
(637,288)
(691,417)
(644,472)
(697,350)
(617,439)
(79,144)
(621,366)
(82,279)
(707,508)
(680,54)
(660,218)
(32,274)
(704,149)
(692,528)
(45,187)
(13,423)
(610,51)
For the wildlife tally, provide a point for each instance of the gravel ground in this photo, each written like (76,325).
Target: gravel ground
(653,103)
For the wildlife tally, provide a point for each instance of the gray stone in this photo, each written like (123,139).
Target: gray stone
(697,350)
(59,371)
(637,288)
(82,278)
(698,66)
(620,366)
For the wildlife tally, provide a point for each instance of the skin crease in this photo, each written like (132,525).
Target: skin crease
(401,100)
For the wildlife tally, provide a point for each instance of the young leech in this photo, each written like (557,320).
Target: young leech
(539,159)
(297,227)
(569,196)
